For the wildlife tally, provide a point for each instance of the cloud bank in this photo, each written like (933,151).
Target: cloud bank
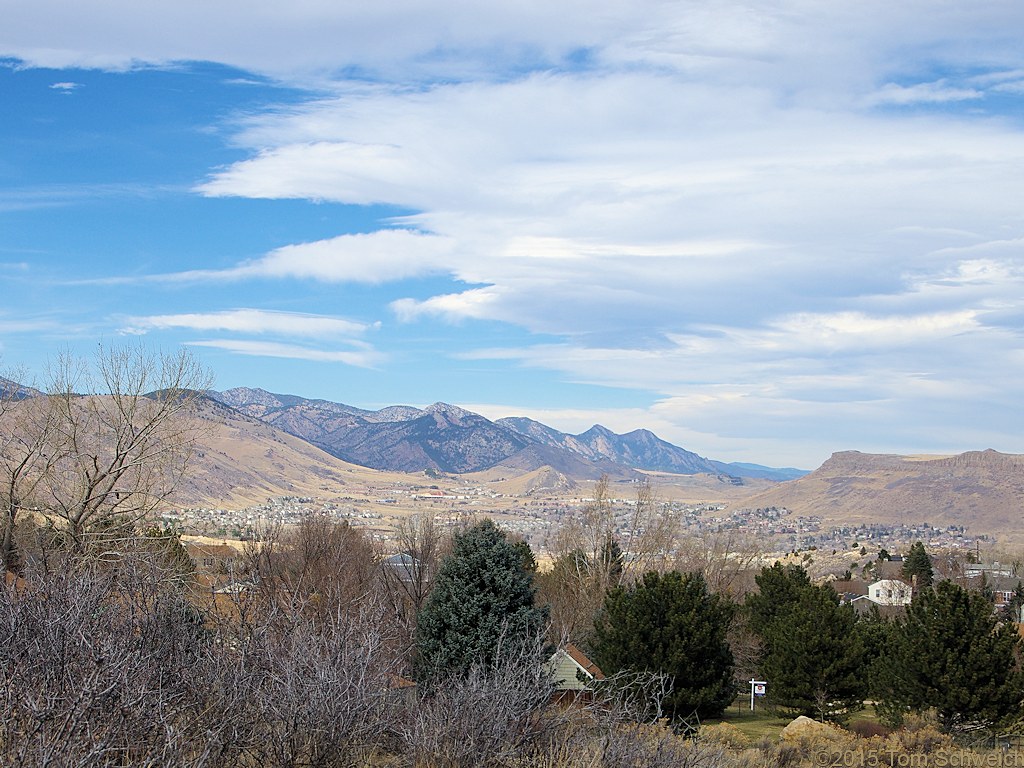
(795,224)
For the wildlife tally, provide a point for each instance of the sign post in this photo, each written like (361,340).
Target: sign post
(757,688)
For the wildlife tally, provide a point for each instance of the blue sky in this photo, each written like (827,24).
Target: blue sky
(765,230)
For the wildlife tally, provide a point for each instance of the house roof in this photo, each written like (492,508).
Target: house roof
(888,569)
(401,559)
(849,586)
(583,661)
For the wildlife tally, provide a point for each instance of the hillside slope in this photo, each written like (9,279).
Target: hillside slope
(242,461)
(983,490)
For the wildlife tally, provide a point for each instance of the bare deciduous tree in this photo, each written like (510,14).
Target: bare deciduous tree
(408,575)
(727,559)
(487,717)
(317,567)
(119,450)
(26,432)
(595,552)
(652,534)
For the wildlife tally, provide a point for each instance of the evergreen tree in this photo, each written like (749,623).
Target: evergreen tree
(611,560)
(672,624)
(526,556)
(778,588)
(951,653)
(481,607)
(917,563)
(875,632)
(1011,610)
(814,655)
(166,543)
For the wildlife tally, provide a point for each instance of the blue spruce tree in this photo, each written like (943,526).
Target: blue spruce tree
(480,609)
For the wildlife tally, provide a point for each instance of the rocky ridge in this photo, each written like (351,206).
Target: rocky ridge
(447,438)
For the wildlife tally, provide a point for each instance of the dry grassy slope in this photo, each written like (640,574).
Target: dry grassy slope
(983,490)
(243,461)
(543,482)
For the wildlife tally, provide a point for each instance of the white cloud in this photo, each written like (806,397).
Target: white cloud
(818,45)
(360,359)
(251,321)
(324,330)
(65,87)
(384,255)
(475,304)
(876,383)
(375,257)
(717,205)
(789,266)
(320,171)
(673,165)
(937,92)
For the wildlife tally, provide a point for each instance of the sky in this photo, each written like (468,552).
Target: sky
(766,230)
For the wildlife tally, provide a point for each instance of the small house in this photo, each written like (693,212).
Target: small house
(890,592)
(571,670)
(406,568)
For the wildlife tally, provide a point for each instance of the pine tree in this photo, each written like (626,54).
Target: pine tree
(611,560)
(875,632)
(917,563)
(480,609)
(814,656)
(672,624)
(778,588)
(526,557)
(950,652)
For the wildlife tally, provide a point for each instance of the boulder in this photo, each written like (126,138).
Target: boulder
(805,728)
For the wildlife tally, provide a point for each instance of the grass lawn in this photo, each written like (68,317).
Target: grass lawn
(755,725)
(764,722)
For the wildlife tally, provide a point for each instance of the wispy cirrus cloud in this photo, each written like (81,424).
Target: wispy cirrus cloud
(375,257)
(366,358)
(325,332)
(256,321)
(66,86)
(779,218)
(938,92)
(719,240)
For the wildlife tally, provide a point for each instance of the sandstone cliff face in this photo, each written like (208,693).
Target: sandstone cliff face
(983,490)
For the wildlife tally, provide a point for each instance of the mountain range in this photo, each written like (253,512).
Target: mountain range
(257,445)
(446,438)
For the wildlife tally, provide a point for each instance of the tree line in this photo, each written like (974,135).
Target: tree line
(114,652)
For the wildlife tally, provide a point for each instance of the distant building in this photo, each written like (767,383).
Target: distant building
(973,570)
(212,558)
(890,592)
(849,589)
(407,569)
